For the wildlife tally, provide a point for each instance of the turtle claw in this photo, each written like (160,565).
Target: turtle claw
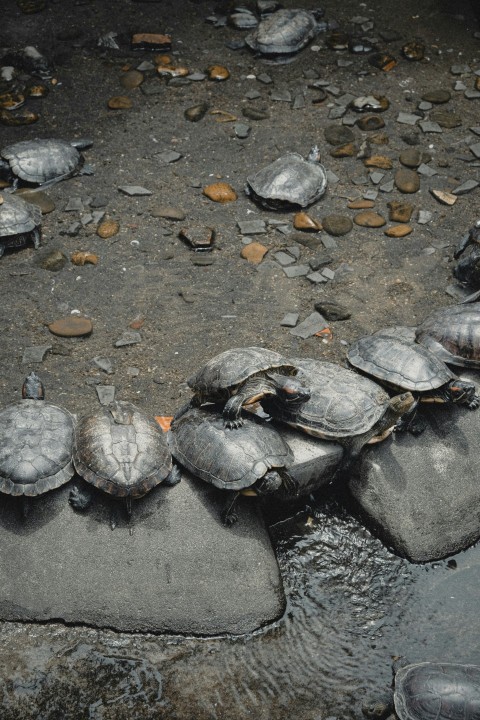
(79,499)
(229,518)
(233,424)
(475,403)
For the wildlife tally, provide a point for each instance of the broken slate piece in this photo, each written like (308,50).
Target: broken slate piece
(337,112)
(129,338)
(316,278)
(293,271)
(428,126)
(475,149)
(332,178)
(459,85)
(329,274)
(74,203)
(312,324)
(460,69)
(264,79)
(407,118)
(284,258)
(424,217)
(168,156)
(472,94)
(299,101)
(376,177)
(106,394)
(329,243)
(252,227)
(465,187)
(387,187)
(134,190)
(103,363)
(242,130)
(426,170)
(281,95)
(35,354)
(289,320)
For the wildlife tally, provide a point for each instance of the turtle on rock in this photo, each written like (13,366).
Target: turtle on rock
(43,162)
(36,441)
(123,452)
(252,460)
(19,222)
(242,376)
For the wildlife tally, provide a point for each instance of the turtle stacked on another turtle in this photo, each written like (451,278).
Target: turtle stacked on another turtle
(19,222)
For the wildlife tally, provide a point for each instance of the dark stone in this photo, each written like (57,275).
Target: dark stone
(332,310)
(337,225)
(338,135)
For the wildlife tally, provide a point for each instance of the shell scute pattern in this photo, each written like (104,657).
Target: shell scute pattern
(38,161)
(289,179)
(18,216)
(285,31)
(453,333)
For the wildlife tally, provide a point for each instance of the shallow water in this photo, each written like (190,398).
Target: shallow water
(352,607)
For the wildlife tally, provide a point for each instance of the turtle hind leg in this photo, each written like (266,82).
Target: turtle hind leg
(25,507)
(229,515)
(80,498)
(173,477)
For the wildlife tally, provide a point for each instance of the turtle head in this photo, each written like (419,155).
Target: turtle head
(463,392)
(401,404)
(314,154)
(289,390)
(269,483)
(32,388)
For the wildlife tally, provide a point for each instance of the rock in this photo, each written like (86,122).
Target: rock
(199,237)
(378,161)
(310,326)
(151,41)
(168,156)
(134,190)
(348,150)
(337,225)
(429,127)
(447,120)
(368,123)
(411,157)
(407,118)
(407,181)
(105,394)
(422,493)
(332,310)
(294,271)
(103,363)
(14,118)
(338,135)
(217,73)
(437,97)
(254,252)
(242,130)
(131,79)
(108,228)
(37,197)
(370,103)
(304,221)
(220,192)
(398,231)
(255,114)
(84,258)
(71,326)
(196,112)
(289,320)
(120,102)
(35,354)
(445,198)
(465,187)
(169,213)
(252,227)
(284,258)
(399,211)
(360,204)
(53,260)
(315,461)
(129,337)
(369,219)
(413,51)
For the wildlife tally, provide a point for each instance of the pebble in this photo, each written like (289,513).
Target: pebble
(11,101)
(427,126)
(399,211)
(367,123)
(319,261)
(12,118)
(199,237)
(413,51)
(382,61)
(171,71)
(472,94)
(370,103)
(424,217)
(35,354)
(134,190)
(337,225)
(103,363)
(370,194)
(316,278)
(131,79)
(255,114)
(120,102)
(217,73)
(99,202)
(281,96)
(252,227)
(437,97)
(424,106)
(338,135)
(329,274)
(294,271)
(71,326)
(445,198)
(347,150)
(376,177)
(37,197)
(83,258)
(411,157)
(337,112)
(332,310)
(105,394)
(407,118)
(74,204)
(426,170)
(289,320)
(242,130)
(304,221)
(196,76)
(220,192)
(459,85)
(196,112)
(407,181)
(460,69)
(284,258)
(378,161)
(475,149)
(108,228)
(253,94)
(168,156)
(264,79)
(465,187)
(387,187)
(310,326)
(360,204)
(129,337)
(53,260)
(398,231)
(254,252)
(167,212)
(369,219)
(151,41)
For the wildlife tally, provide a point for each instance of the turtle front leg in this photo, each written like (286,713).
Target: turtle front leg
(229,515)
(410,422)
(173,477)
(80,499)
(232,412)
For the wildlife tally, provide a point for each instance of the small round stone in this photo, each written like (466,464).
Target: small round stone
(407,181)
(108,228)
(370,122)
(37,197)
(413,50)
(120,102)
(337,225)
(370,103)
(445,119)
(37,90)
(360,204)
(338,135)
(437,97)
(398,231)
(54,261)
(71,326)
(22,117)
(369,219)
(220,192)
(169,213)
(347,150)
(378,161)
(399,211)
(217,73)
(332,310)
(253,252)
(131,79)
(411,157)
(196,112)
(11,101)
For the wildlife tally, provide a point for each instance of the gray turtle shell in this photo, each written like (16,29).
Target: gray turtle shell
(221,376)
(126,456)
(283,32)
(342,403)
(289,180)
(36,440)
(399,363)
(453,334)
(229,460)
(39,161)
(18,217)
(437,691)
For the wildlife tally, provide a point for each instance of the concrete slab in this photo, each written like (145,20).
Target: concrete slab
(174,569)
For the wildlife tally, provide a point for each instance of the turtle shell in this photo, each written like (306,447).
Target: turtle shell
(453,334)
(282,33)
(288,181)
(38,161)
(36,440)
(121,451)
(222,374)
(399,363)
(229,460)
(18,217)
(437,691)
(342,403)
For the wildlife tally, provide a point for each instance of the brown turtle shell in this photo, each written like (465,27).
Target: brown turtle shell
(453,334)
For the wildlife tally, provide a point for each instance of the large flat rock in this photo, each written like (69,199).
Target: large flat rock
(422,493)
(173,569)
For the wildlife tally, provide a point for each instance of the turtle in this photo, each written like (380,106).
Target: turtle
(43,162)
(430,691)
(123,452)
(36,442)
(19,222)
(283,33)
(402,365)
(467,269)
(453,334)
(242,376)
(289,182)
(252,460)
(343,406)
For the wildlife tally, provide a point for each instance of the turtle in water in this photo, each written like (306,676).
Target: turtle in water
(242,376)
(123,452)
(289,182)
(402,365)
(453,334)
(43,162)
(284,32)
(430,691)
(252,460)
(343,406)
(36,441)
(19,222)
